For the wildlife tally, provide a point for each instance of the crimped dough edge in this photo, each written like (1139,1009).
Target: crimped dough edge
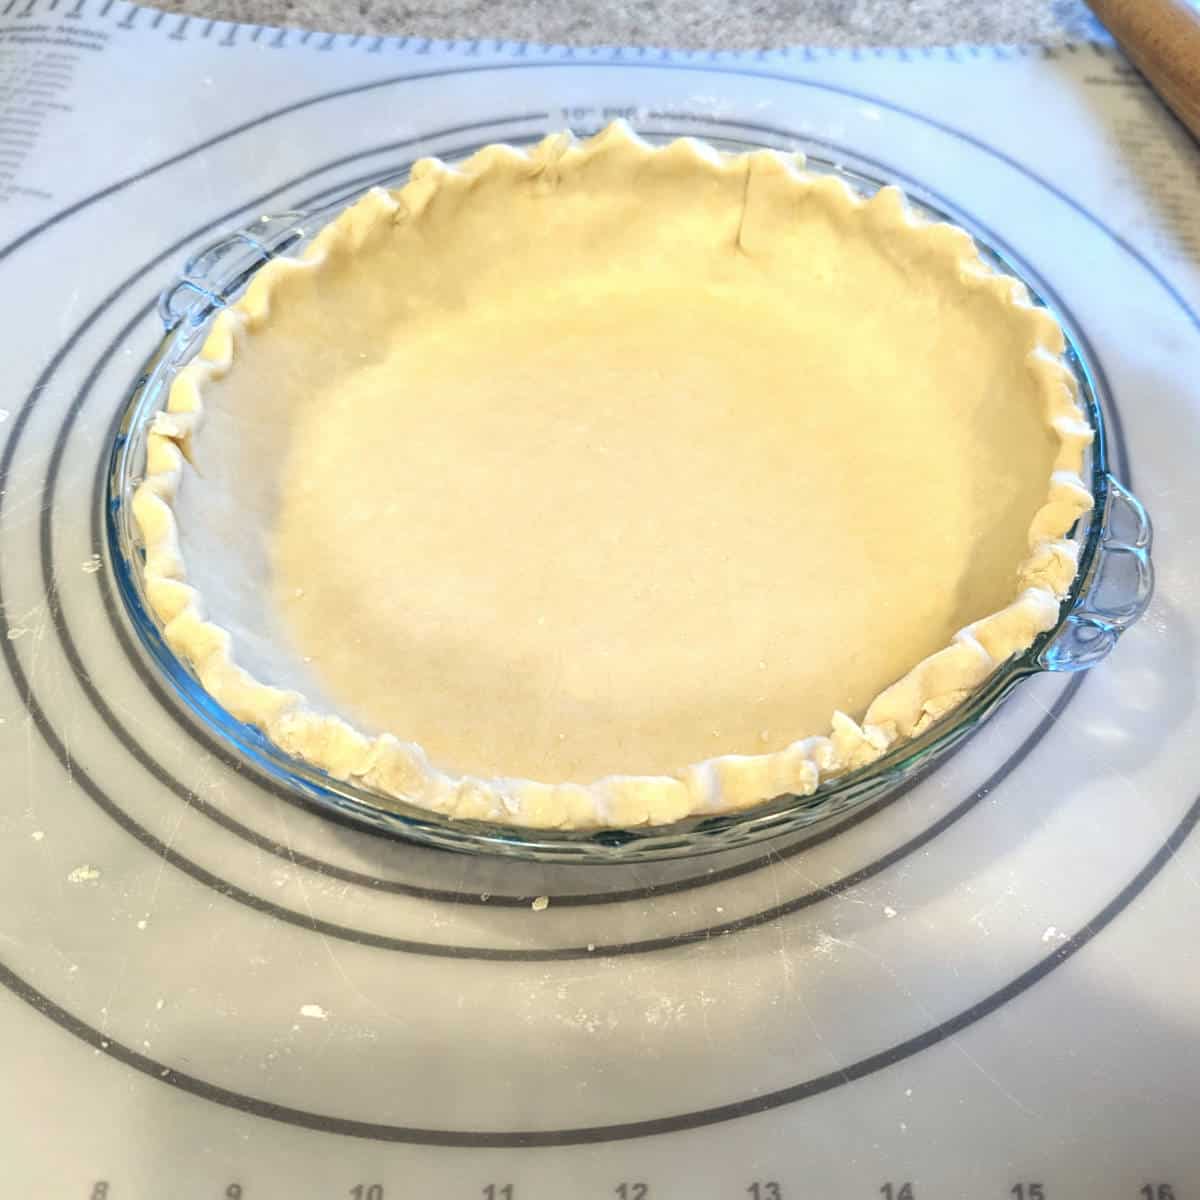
(391,767)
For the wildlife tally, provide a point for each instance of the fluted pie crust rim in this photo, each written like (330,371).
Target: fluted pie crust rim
(390,764)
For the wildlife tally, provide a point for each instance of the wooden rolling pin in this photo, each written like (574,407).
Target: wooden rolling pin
(1162,38)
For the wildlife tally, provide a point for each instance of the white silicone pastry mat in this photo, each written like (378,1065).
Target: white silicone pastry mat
(987,987)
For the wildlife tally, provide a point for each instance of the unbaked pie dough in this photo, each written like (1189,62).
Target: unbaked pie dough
(604,485)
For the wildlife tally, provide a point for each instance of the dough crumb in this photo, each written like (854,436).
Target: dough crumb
(889,911)
(541,904)
(84,873)
(315,1011)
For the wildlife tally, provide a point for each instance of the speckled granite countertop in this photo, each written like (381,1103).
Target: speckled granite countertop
(690,24)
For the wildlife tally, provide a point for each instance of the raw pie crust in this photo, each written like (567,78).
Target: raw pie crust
(591,480)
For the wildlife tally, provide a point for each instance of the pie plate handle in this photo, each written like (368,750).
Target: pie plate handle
(212,276)
(1118,591)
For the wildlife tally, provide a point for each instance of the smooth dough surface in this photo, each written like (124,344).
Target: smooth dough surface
(613,461)
(636,529)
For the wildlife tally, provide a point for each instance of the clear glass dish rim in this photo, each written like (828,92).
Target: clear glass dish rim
(693,836)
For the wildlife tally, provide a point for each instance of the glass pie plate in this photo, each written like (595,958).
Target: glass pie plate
(1111,590)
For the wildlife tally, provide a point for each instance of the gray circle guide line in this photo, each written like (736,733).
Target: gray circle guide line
(371,881)
(595,1134)
(143,758)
